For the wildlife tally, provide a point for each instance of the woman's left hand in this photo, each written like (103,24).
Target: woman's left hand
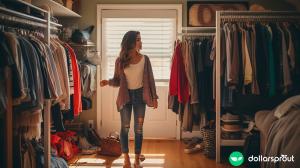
(155,103)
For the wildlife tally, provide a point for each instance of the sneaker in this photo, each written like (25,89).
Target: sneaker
(193,141)
(142,158)
(198,147)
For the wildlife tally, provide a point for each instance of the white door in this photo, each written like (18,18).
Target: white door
(157,25)
(159,123)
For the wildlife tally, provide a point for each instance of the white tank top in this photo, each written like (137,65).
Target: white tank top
(134,74)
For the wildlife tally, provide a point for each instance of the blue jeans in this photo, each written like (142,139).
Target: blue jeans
(139,107)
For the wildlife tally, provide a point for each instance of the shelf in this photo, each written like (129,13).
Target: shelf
(20,4)
(225,142)
(199,28)
(211,30)
(56,24)
(25,16)
(22,15)
(58,9)
(30,5)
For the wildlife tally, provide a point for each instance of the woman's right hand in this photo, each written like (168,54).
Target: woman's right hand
(103,83)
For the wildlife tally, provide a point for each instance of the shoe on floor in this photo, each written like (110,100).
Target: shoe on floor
(193,143)
(142,158)
(196,148)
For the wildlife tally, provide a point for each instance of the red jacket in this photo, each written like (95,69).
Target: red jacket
(178,85)
(77,108)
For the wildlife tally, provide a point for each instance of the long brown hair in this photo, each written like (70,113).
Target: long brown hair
(128,43)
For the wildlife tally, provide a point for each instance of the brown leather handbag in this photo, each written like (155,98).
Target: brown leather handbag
(111,146)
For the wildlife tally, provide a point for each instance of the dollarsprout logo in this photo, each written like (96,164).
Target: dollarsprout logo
(236,158)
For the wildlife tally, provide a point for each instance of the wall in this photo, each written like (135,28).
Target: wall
(88,10)
(88,13)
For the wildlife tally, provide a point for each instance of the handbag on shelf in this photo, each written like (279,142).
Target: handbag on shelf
(111,146)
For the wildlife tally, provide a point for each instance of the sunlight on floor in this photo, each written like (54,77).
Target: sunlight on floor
(105,167)
(151,161)
(91,160)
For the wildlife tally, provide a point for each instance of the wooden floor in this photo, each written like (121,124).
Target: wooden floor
(158,153)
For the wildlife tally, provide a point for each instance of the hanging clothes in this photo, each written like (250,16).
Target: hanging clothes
(178,85)
(61,62)
(88,78)
(194,82)
(260,61)
(77,84)
(189,67)
(39,72)
(6,60)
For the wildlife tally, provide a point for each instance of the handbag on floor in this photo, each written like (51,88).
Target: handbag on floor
(111,146)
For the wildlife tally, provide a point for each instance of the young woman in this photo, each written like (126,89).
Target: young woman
(133,74)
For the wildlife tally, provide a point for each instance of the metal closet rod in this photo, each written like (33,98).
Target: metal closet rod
(264,17)
(251,15)
(22,15)
(4,17)
(197,31)
(9,18)
(196,34)
(198,28)
(260,19)
(259,13)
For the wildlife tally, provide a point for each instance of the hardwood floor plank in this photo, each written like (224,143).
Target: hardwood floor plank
(159,154)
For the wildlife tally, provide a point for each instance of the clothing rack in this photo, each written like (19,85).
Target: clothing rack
(197,31)
(28,22)
(187,32)
(195,34)
(201,29)
(239,16)
(8,117)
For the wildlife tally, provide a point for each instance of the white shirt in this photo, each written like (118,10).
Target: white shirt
(134,74)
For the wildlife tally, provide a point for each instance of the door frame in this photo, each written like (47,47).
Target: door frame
(100,7)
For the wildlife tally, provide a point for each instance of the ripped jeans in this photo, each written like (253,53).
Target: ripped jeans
(139,107)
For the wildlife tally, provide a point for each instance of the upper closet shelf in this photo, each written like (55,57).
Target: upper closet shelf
(58,9)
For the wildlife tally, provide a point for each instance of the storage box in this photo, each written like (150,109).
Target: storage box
(68,4)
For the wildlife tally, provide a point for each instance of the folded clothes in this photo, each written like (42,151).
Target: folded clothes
(231,127)
(230,117)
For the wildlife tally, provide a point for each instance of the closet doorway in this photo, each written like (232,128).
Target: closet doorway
(158,27)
